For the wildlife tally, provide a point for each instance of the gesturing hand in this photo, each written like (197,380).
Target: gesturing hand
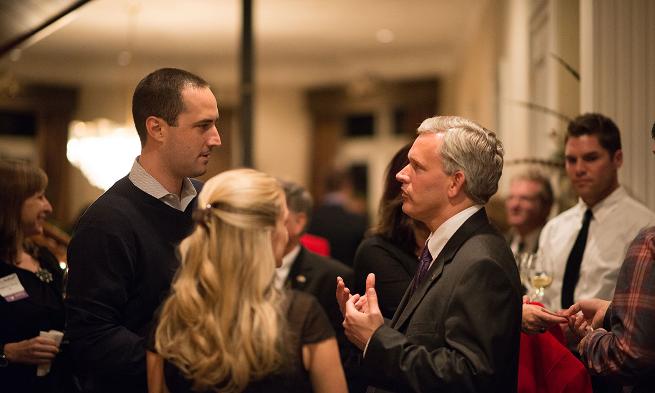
(343,294)
(37,350)
(363,319)
(593,311)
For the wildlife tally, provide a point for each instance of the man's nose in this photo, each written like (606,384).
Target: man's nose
(214,138)
(402,175)
(580,167)
(48,206)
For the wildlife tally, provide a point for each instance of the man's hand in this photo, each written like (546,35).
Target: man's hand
(593,311)
(580,327)
(343,294)
(360,323)
(537,319)
(37,350)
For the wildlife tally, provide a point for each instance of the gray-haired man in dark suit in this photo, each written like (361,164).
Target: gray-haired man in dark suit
(457,328)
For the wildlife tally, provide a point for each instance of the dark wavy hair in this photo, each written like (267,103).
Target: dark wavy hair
(394,225)
(18,181)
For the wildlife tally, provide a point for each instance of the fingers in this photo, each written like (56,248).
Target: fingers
(574,309)
(370,281)
(372,298)
(360,305)
(342,294)
(350,304)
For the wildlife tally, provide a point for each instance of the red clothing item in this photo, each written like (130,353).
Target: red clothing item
(547,366)
(317,244)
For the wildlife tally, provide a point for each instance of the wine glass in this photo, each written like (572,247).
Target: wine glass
(524,261)
(541,275)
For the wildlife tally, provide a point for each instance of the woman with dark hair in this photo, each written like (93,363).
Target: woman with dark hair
(391,252)
(31,285)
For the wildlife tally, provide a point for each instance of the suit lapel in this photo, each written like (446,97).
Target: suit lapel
(409,304)
(299,272)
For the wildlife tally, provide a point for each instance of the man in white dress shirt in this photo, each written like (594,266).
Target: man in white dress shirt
(593,157)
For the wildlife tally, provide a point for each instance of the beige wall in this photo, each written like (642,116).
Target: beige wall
(282,134)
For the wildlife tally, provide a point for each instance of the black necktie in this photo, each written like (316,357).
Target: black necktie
(421,272)
(521,247)
(572,272)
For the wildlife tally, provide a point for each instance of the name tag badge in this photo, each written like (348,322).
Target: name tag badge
(11,288)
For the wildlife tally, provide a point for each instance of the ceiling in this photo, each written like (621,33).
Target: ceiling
(297,42)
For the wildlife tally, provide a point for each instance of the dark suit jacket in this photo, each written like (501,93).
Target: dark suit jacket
(343,229)
(393,268)
(460,330)
(317,275)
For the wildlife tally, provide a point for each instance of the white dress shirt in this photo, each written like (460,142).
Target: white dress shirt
(148,184)
(438,239)
(282,272)
(616,221)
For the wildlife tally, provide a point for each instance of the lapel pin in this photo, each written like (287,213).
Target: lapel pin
(301,279)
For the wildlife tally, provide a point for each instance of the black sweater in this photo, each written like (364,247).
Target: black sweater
(122,259)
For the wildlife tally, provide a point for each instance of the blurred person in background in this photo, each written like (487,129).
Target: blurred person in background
(226,327)
(336,220)
(527,206)
(31,285)
(306,271)
(617,337)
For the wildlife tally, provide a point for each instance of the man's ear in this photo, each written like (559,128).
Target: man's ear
(456,186)
(618,158)
(155,128)
(302,221)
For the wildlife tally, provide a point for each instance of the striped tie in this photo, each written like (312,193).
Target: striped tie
(422,271)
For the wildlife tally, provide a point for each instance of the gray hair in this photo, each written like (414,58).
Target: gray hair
(299,200)
(472,149)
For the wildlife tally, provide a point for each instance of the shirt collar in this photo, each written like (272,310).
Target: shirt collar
(438,239)
(282,272)
(148,184)
(604,208)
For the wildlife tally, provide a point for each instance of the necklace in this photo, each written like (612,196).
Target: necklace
(44,275)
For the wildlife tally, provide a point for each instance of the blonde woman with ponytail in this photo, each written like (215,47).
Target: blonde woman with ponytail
(224,327)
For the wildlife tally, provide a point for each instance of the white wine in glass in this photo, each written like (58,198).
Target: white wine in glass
(540,276)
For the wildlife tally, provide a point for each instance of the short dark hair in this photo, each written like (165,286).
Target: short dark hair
(299,200)
(598,125)
(160,94)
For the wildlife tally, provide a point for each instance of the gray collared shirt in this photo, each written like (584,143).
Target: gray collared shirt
(148,184)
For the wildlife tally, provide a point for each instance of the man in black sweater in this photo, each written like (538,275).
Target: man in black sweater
(122,256)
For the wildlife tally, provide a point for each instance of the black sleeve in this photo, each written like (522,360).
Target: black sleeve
(102,268)
(391,278)
(315,324)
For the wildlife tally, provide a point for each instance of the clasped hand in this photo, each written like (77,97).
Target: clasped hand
(361,314)
(37,350)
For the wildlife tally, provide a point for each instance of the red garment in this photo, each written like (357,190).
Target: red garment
(317,244)
(547,366)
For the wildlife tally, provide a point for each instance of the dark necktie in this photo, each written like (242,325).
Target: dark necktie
(572,272)
(521,246)
(422,271)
